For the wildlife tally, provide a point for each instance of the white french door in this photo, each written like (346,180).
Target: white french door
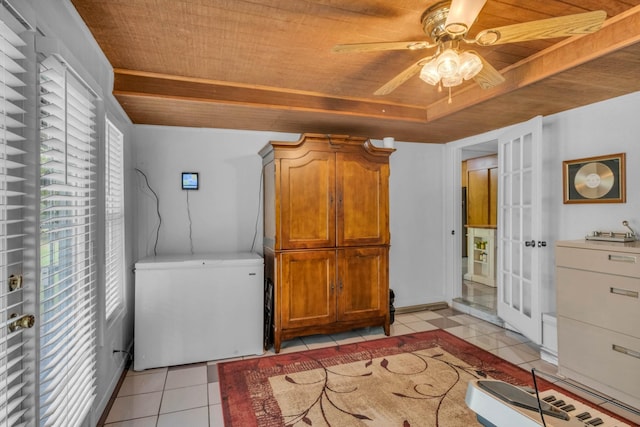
(47,233)
(519,223)
(17,279)
(67,341)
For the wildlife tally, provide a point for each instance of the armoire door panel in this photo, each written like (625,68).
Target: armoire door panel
(362,191)
(307,203)
(362,283)
(308,287)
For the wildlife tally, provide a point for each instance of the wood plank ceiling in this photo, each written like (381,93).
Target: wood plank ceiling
(268,65)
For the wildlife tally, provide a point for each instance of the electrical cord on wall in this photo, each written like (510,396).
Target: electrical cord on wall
(255,233)
(155,246)
(190,223)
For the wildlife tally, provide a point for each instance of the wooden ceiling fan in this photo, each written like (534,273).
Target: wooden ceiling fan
(447,23)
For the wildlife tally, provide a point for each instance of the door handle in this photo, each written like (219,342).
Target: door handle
(531,243)
(542,244)
(24,322)
(15,282)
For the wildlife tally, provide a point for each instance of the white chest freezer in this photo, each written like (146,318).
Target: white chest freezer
(196,308)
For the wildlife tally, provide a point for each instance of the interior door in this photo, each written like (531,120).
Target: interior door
(519,219)
(478,194)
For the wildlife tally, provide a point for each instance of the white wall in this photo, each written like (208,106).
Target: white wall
(416,204)
(603,128)
(225,210)
(607,127)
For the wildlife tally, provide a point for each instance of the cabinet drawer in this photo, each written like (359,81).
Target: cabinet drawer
(605,300)
(621,263)
(613,359)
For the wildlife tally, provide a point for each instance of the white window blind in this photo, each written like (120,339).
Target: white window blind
(13,390)
(114,223)
(67,240)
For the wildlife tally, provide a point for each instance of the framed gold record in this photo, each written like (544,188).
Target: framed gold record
(598,179)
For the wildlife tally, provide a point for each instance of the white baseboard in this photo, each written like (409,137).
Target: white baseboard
(549,356)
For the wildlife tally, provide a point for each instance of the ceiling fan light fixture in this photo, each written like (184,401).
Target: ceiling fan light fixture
(448,63)
(461,15)
(454,80)
(446,23)
(470,65)
(429,72)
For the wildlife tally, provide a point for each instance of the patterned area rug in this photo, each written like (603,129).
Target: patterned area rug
(409,380)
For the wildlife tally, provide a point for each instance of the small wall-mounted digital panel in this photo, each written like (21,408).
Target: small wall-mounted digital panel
(190,181)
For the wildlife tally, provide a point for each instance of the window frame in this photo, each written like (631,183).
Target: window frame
(114,221)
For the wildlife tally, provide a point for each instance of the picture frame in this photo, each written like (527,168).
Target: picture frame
(599,179)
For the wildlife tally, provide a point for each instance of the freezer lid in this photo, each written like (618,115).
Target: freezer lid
(227,259)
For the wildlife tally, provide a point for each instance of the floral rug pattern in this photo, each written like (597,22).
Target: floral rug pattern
(409,380)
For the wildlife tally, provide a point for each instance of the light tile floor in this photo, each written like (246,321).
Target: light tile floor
(189,395)
(480,294)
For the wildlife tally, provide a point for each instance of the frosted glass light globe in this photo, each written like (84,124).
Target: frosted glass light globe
(429,73)
(448,63)
(470,65)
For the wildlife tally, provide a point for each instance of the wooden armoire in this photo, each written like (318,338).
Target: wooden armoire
(326,236)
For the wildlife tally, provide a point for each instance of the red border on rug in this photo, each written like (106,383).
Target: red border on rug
(237,407)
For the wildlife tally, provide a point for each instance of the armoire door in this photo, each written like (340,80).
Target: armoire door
(362,283)
(362,188)
(307,201)
(307,288)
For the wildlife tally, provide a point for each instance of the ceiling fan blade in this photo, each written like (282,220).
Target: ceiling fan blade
(462,13)
(371,47)
(563,26)
(488,77)
(405,75)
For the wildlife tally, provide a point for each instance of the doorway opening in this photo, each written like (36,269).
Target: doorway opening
(479,224)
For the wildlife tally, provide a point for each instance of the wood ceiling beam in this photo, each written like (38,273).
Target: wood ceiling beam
(146,84)
(616,33)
